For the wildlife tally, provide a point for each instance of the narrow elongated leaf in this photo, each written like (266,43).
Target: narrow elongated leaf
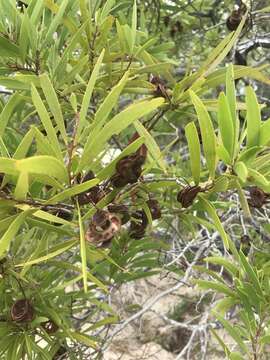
(226,126)
(24,145)
(253,118)
(77,189)
(194,151)
(46,121)
(233,332)
(221,288)
(241,171)
(265,133)
(46,165)
(8,49)
(55,22)
(208,133)
(134,26)
(231,97)
(88,93)
(151,144)
(53,103)
(108,104)
(7,112)
(118,123)
(64,247)
(22,186)
(83,249)
(12,231)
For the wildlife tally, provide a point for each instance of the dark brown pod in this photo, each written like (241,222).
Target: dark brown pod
(50,327)
(22,311)
(110,225)
(101,220)
(166,20)
(234,20)
(179,26)
(118,181)
(245,240)
(257,197)
(122,210)
(187,195)
(154,207)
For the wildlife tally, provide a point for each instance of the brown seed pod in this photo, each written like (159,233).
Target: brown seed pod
(50,327)
(154,207)
(22,311)
(245,240)
(179,26)
(128,170)
(166,20)
(122,210)
(187,195)
(257,197)
(234,20)
(103,228)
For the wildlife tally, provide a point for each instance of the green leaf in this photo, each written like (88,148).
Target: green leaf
(22,186)
(64,247)
(233,332)
(83,249)
(8,49)
(77,189)
(106,107)
(151,144)
(232,268)
(241,170)
(53,103)
(265,133)
(253,118)
(205,284)
(55,22)
(251,274)
(12,231)
(226,125)
(194,151)
(46,122)
(118,123)
(134,26)
(85,339)
(212,213)
(231,97)
(208,133)
(88,93)
(8,111)
(46,165)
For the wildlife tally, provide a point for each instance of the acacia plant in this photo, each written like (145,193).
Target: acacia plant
(86,97)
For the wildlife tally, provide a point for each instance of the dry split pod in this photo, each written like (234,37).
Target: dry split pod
(103,227)
(187,195)
(22,311)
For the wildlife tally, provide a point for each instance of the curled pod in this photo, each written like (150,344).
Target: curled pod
(187,195)
(154,208)
(22,311)
(257,197)
(103,229)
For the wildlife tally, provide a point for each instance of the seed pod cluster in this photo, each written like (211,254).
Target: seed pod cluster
(103,227)
(128,170)
(258,197)
(22,311)
(160,90)
(187,195)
